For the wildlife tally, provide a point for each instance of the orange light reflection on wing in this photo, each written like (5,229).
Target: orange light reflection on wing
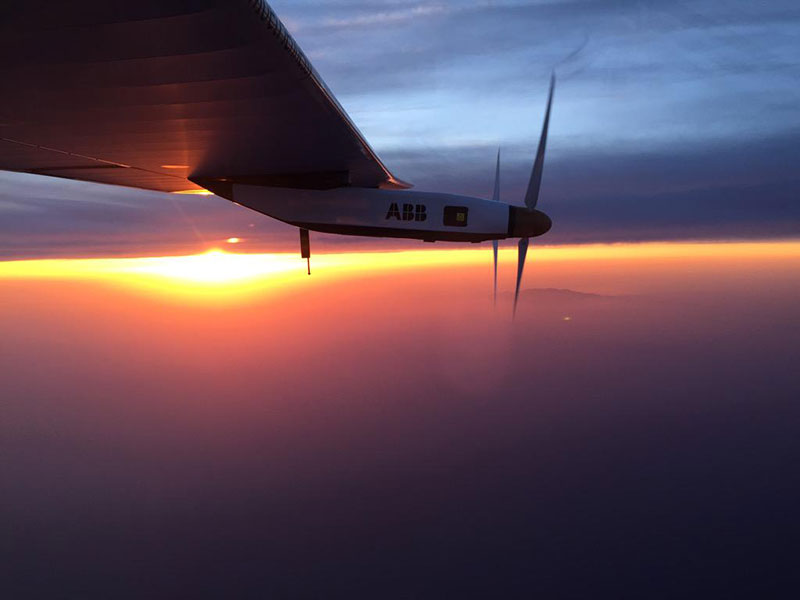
(199,192)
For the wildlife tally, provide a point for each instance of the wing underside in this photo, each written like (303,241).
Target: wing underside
(156,94)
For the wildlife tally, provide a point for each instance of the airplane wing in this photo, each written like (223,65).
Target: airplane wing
(156,93)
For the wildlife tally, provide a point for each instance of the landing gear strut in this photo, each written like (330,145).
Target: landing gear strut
(305,248)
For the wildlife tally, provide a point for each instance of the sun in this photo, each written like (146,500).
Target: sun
(212,267)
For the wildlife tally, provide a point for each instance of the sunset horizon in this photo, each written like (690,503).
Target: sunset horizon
(440,300)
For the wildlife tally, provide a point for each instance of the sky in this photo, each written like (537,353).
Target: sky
(672,120)
(184,413)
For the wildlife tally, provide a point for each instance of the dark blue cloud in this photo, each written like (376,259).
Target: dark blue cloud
(647,73)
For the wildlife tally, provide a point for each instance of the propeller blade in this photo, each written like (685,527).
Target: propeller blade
(532,195)
(496,198)
(494,247)
(496,194)
(522,253)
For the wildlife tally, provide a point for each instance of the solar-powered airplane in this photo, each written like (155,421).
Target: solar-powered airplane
(193,95)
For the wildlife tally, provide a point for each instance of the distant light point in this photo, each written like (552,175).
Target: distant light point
(568,318)
(234,240)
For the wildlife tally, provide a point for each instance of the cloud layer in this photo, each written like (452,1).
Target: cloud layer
(391,435)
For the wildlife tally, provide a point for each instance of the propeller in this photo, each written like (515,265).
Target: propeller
(496,198)
(525,222)
(532,195)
